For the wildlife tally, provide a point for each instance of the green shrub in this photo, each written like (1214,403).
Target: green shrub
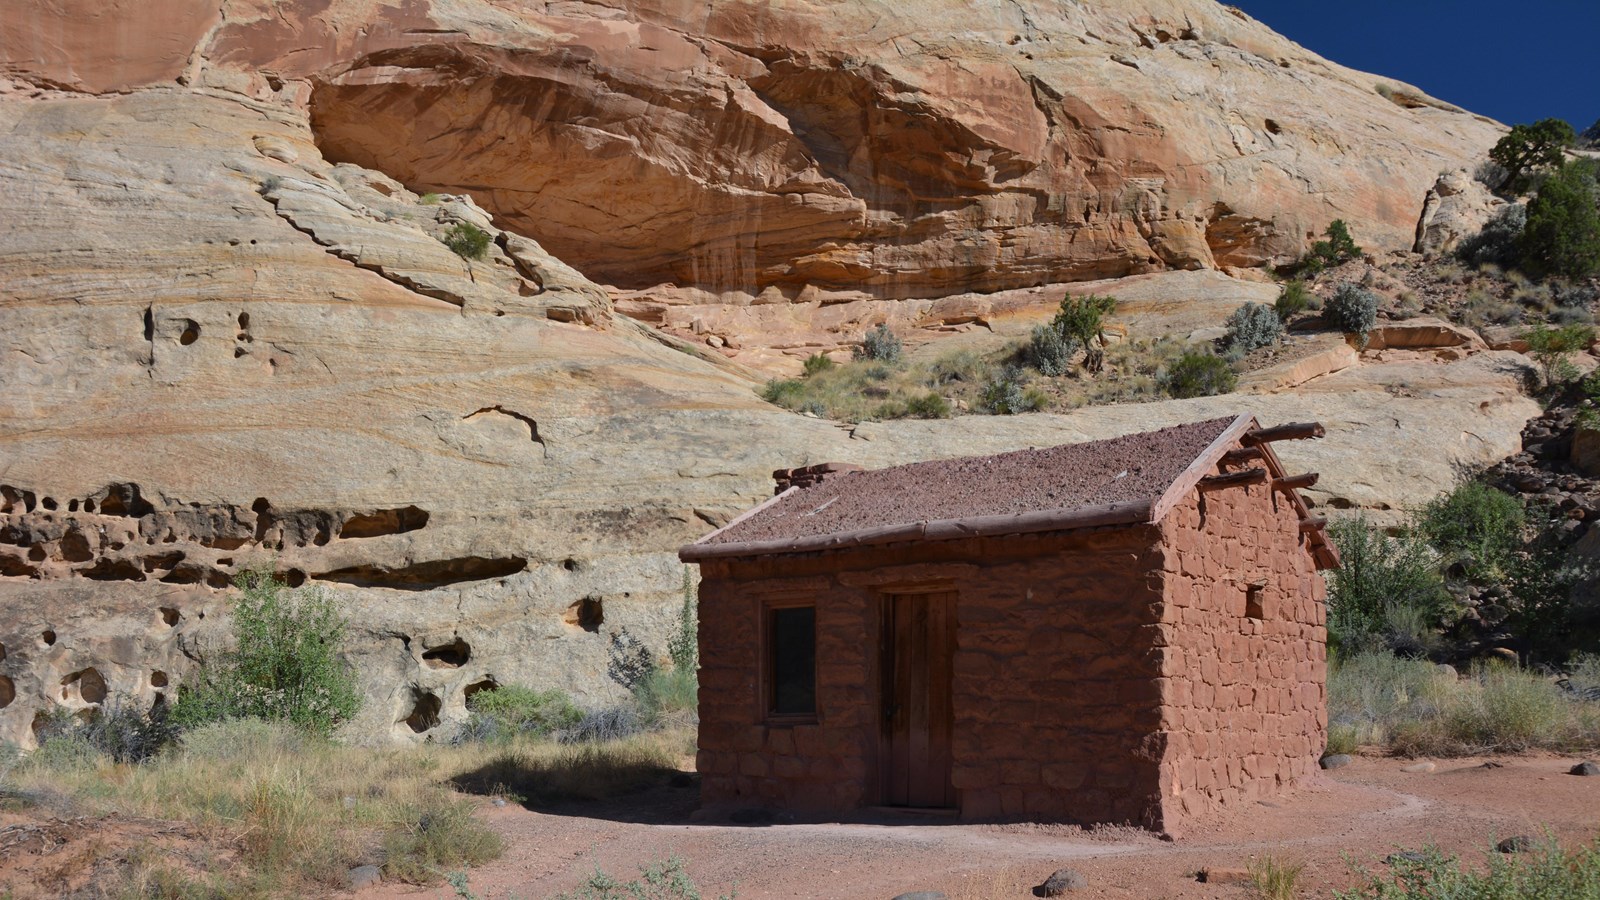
(928,406)
(879,344)
(430,199)
(504,712)
(467,241)
(1082,319)
(1051,351)
(285,664)
(1562,235)
(1552,349)
(437,834)
(1548,872)
(659,881)
(786,392)
(1251,326)
(1006,395)
(1529,148)
(1477,526)
(1339,248)
(818,362)
(1353,309)
(1377,574)
(1293,300)
(1198,374)
(1497,242)
(1541,580)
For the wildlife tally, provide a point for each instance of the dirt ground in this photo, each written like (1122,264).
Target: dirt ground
(1355,815)
(1361,812)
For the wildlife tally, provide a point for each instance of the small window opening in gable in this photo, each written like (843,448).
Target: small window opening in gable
(792,661)
(1255,600)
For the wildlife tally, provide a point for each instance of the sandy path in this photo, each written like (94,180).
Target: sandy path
(1365,810)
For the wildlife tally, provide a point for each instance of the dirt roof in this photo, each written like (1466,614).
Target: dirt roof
(1135,470)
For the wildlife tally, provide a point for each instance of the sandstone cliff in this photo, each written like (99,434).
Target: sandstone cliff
(229,330)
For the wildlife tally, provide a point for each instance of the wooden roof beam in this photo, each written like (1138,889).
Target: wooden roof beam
(1295,431)
(1295,482)
(1233,479)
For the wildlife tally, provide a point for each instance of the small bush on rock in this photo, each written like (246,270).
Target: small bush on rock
(1294,300)
(467,241)
(1340,247)
(1476,526)
(1252,326)
(928,406)
(818,362)
(880,344)
(1552,349)
(1353,309)
(1198,374)
(1497,242)
(1079,324)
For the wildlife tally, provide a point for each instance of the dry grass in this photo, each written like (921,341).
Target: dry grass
(296,812)
(1272,878)
(1414,708)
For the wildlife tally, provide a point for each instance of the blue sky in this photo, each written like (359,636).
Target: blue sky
(1514,61)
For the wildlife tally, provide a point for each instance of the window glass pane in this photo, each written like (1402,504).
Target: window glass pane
(794,660)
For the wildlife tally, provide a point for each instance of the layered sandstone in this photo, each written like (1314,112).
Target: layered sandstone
(224,341)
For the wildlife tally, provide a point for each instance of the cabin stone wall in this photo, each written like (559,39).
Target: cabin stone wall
(1242,652)
(1056,685)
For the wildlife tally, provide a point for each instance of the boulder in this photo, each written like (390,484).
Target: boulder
(1060,883)
(1587,768)
(1336,760)
(1454,209)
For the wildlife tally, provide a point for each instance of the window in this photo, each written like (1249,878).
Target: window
(792,661)
(1255,600)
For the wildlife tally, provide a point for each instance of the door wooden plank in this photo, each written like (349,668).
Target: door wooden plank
(902,698)
(917,690)
(941,714)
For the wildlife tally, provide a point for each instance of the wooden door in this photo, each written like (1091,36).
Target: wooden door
(919,644)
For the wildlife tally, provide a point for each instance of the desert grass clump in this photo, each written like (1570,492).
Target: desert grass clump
(667,880)
(506,711)
(1272,878)
(1295,298)
(1006,393)
(1547,871)
(434,835)
(541,773)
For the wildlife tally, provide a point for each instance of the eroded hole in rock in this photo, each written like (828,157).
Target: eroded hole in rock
(190,333)
(125,500)
(72,505)
(47,638)
(75,547)
(244,321)
(294,578)
(149,324)
(15,566)
(86,685)
(158,679)
(163,561)
(588,614)
(108,569)
(1273,127)
(424,576)
(571,565)
(49,503)
(170,616)
(2,652)
(487,684)
(453,655)
(8,691)
(384,521)
(424,715)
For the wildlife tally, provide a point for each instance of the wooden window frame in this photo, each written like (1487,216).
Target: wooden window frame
(768,684)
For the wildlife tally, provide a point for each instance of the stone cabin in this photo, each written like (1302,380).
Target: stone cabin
(1122,631)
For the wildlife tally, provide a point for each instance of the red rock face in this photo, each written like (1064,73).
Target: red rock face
(101,45)
(789,151)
